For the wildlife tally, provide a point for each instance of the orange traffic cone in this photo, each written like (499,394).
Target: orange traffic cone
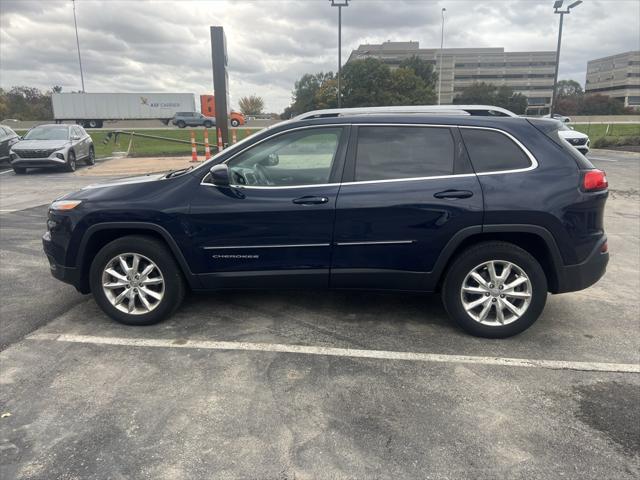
(207,150)
(234,139)
(219,140)
(194,152)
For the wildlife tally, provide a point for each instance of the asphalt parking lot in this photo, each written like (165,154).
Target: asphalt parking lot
(314,385)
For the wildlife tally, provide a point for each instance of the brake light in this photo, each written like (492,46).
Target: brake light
(594,180)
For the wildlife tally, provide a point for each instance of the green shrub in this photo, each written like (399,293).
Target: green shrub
(624,141)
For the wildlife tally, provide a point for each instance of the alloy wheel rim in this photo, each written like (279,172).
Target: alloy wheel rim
(133,283)
(496,293)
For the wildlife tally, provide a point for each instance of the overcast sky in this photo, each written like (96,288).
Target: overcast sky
(163,46)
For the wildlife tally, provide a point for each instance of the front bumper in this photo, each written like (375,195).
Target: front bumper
(37,162)
(70,275)
(572,278)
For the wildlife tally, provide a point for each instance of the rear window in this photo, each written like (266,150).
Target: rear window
(492,151)
(386,153)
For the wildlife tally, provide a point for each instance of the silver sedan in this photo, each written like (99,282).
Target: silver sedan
(52,146)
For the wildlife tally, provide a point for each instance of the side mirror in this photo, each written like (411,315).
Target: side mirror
(271,161)
(220,175)
(75,137)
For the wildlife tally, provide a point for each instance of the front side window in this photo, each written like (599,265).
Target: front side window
(303,157)
(492,151)
(387,153)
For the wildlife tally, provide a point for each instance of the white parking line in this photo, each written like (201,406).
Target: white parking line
(6,171)
(341,352)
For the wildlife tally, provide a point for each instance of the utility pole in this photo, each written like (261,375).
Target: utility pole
(75,21)
(441,55)
(557,5)
(339,4)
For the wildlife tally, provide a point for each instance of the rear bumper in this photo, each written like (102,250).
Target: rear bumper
(572,278)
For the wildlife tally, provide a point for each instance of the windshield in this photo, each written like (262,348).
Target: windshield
(48,133)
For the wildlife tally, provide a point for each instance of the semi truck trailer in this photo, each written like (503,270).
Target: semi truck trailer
(91,109)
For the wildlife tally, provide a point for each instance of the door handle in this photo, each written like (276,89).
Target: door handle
(309,200)
(454,194)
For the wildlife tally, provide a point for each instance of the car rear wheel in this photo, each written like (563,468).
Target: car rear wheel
(136,281)
(20,170)
(495,290)
(70,166)
(235,122)
(181,124)
(91,159)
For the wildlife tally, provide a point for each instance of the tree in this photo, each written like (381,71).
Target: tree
(251,105)
(488,94)
(569,88)
(602,105)
(26,103)
(305,91)
(327,94)
(366,83)
(422,69)
(56,89)
(407,88)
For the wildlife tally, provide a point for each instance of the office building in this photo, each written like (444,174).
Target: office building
(529,73)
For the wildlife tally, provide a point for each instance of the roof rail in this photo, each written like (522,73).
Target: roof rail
(411,109)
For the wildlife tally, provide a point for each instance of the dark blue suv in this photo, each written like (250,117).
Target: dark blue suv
(491,212)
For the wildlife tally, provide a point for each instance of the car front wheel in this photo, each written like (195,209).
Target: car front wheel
(70,166)
(235,123)
(91,158)
(495,290)
(136,281)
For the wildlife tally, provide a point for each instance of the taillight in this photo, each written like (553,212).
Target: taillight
(594,180)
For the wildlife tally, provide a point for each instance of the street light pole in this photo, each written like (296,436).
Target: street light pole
(78,44)
(441,55)
(339,4)
(557,6)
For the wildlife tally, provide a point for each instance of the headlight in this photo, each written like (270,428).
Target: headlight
(63,205)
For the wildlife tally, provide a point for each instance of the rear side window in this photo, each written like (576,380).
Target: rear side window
(492,151)
(386,153)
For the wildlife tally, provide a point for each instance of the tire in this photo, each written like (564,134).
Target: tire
(208,124)
(91,159)
(171,291)
(477,258)
(71,164)
(235,123)
(181,124)
(20,170)
(93,124)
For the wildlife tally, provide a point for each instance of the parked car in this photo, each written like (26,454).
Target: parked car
(493,213)
(578,140)
(7,139)
(193,119)
(559,117)
(52,146)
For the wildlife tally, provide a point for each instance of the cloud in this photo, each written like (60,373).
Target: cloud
(164,45)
